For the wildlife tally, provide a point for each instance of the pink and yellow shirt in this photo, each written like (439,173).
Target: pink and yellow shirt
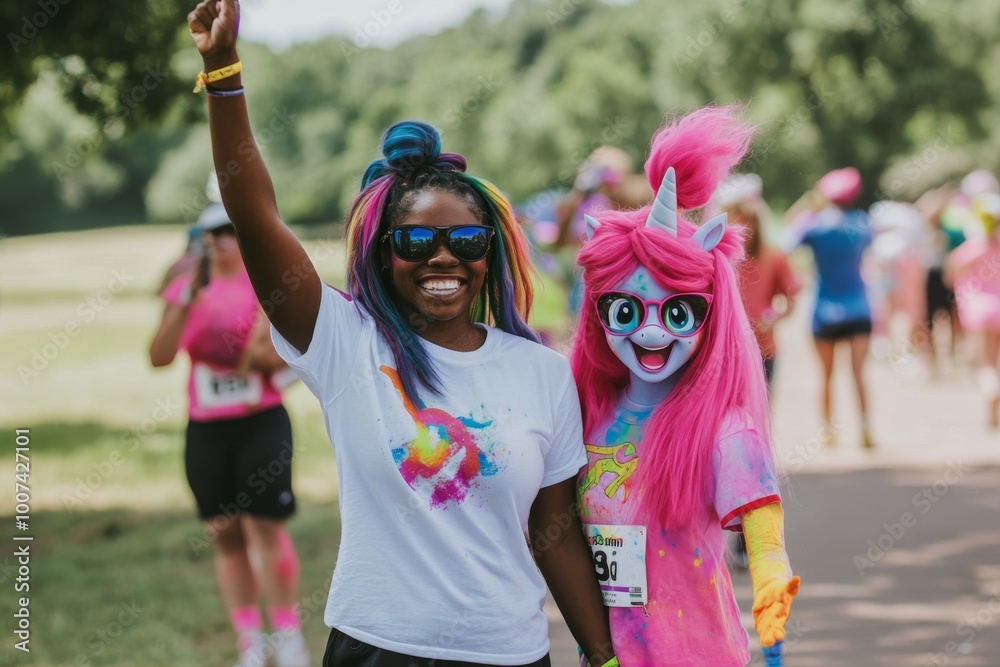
(691,617)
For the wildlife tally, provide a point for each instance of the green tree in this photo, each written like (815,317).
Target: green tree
(904,90)
(112,58)
(858,82)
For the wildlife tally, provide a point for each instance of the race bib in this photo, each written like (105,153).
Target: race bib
(224,389)
(620,561)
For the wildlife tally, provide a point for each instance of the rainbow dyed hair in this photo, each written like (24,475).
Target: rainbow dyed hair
(724,377)
(412,161)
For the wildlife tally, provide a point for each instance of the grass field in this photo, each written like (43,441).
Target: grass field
(119,571)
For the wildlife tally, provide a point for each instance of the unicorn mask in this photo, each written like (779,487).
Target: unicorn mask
(652,330)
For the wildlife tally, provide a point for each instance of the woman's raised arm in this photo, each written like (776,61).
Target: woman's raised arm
(282,274)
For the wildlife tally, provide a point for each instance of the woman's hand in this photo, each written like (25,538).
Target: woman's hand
(214,25)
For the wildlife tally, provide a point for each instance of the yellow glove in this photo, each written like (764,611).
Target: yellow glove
(773,586)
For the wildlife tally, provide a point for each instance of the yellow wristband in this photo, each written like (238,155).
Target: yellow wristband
(216,75)
(613,662)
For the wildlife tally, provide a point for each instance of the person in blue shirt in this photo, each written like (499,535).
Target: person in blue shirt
(838,236)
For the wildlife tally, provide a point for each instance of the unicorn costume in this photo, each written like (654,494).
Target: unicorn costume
(676,417)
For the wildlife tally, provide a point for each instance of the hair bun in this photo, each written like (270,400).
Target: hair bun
(410,145)
(407,147)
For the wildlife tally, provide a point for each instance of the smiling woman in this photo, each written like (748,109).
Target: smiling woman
(440,248)
(447,416)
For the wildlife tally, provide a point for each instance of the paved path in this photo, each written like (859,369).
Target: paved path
(877,592)
(900,568)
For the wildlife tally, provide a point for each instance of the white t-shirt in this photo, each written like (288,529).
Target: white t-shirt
(434,498)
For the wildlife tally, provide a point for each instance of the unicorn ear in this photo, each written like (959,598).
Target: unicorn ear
(592,225)
(664,211)
(709,234)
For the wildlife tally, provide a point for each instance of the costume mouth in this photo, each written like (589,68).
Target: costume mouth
(652,360)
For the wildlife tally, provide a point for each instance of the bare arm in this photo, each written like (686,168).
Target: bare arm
(568,570)
(810,200)
(167,339)
(788,288)
(280,270)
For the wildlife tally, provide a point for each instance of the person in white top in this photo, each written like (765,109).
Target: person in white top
(458,437)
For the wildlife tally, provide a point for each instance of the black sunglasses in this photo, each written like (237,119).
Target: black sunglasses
(413,243)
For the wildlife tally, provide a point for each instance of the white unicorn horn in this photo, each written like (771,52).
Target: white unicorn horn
(664,211)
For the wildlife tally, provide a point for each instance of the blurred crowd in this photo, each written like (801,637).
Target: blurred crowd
(894,282)
(898,281)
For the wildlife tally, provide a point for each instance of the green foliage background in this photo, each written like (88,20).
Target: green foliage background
(901,89)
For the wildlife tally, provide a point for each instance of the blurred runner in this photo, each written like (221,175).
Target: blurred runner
(940,298)
(767,284)
(895,277)
(974,270)
(238,453)
(838,237)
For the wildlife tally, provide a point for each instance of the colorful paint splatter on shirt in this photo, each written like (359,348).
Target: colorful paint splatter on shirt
(691,618)
(440,439)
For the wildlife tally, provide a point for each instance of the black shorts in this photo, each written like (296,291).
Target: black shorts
(346,651)
(842,330)
(242,465)
(939,296)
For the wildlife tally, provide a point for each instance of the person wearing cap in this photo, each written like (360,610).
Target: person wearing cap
(838,236)
(238,451)
(974,270)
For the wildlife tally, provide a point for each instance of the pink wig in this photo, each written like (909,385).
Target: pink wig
(724,378)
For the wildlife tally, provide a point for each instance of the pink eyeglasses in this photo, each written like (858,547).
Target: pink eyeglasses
(622,313)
